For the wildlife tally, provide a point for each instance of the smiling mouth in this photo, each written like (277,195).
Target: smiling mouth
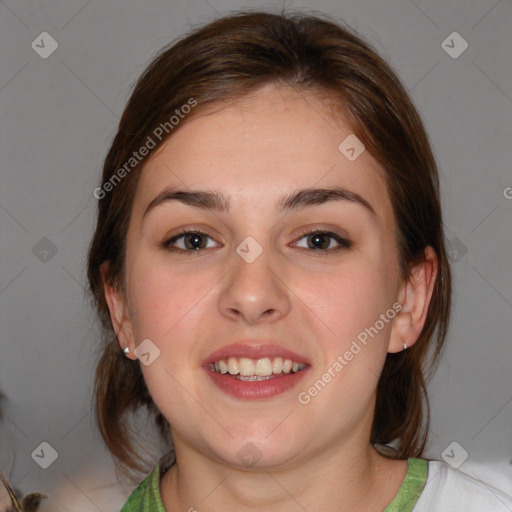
(253,370)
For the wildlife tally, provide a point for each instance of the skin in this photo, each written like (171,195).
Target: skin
(316,456)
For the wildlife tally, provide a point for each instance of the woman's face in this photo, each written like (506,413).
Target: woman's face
(262,279)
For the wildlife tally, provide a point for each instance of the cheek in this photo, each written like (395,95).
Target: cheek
(170,308)
(348,299)
(349,303)
(164,299)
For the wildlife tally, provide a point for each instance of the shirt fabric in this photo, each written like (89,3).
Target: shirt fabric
(428,486)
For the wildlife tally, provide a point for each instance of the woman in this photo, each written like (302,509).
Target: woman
(270,269)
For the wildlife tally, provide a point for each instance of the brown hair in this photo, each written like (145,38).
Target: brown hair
(226,60)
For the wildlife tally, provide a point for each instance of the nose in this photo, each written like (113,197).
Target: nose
(254,292)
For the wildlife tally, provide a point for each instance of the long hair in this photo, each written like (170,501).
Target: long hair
(224,61)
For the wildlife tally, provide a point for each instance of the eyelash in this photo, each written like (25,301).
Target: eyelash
(344,243)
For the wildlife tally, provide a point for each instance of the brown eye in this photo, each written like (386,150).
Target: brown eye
(324,241)
(189,241)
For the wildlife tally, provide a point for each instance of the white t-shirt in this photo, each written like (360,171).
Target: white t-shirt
(451,490)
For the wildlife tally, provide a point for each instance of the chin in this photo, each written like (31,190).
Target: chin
(258,451)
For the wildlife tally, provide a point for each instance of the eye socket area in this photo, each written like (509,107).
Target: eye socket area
(315,239)
(190,240)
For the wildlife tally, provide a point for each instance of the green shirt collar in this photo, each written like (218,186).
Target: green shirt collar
(411,488)
(146,497)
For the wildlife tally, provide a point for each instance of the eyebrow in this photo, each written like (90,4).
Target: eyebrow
(294,201)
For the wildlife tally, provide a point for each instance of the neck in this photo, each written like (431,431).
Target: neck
(336,480)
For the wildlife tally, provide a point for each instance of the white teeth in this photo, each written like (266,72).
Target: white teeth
(264,367)
(246,367)
(223,367)
(233,367)
(277,366)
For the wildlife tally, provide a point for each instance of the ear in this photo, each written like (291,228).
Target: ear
(414,297)
(119,313)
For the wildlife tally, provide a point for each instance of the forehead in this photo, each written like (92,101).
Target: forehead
(266,144)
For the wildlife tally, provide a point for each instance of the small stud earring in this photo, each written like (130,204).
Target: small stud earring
(405,346)
(126,350)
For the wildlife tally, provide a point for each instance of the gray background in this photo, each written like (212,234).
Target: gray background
(58,116)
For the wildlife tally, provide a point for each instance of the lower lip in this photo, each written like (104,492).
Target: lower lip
(257,389)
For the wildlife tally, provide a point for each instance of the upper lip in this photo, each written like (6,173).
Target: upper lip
(253,349)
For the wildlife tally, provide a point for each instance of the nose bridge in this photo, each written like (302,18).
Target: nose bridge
(253,290)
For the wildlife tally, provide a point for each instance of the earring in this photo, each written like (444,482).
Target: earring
(126,350)
(405,346)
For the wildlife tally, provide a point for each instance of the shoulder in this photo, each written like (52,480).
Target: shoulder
(451,489)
